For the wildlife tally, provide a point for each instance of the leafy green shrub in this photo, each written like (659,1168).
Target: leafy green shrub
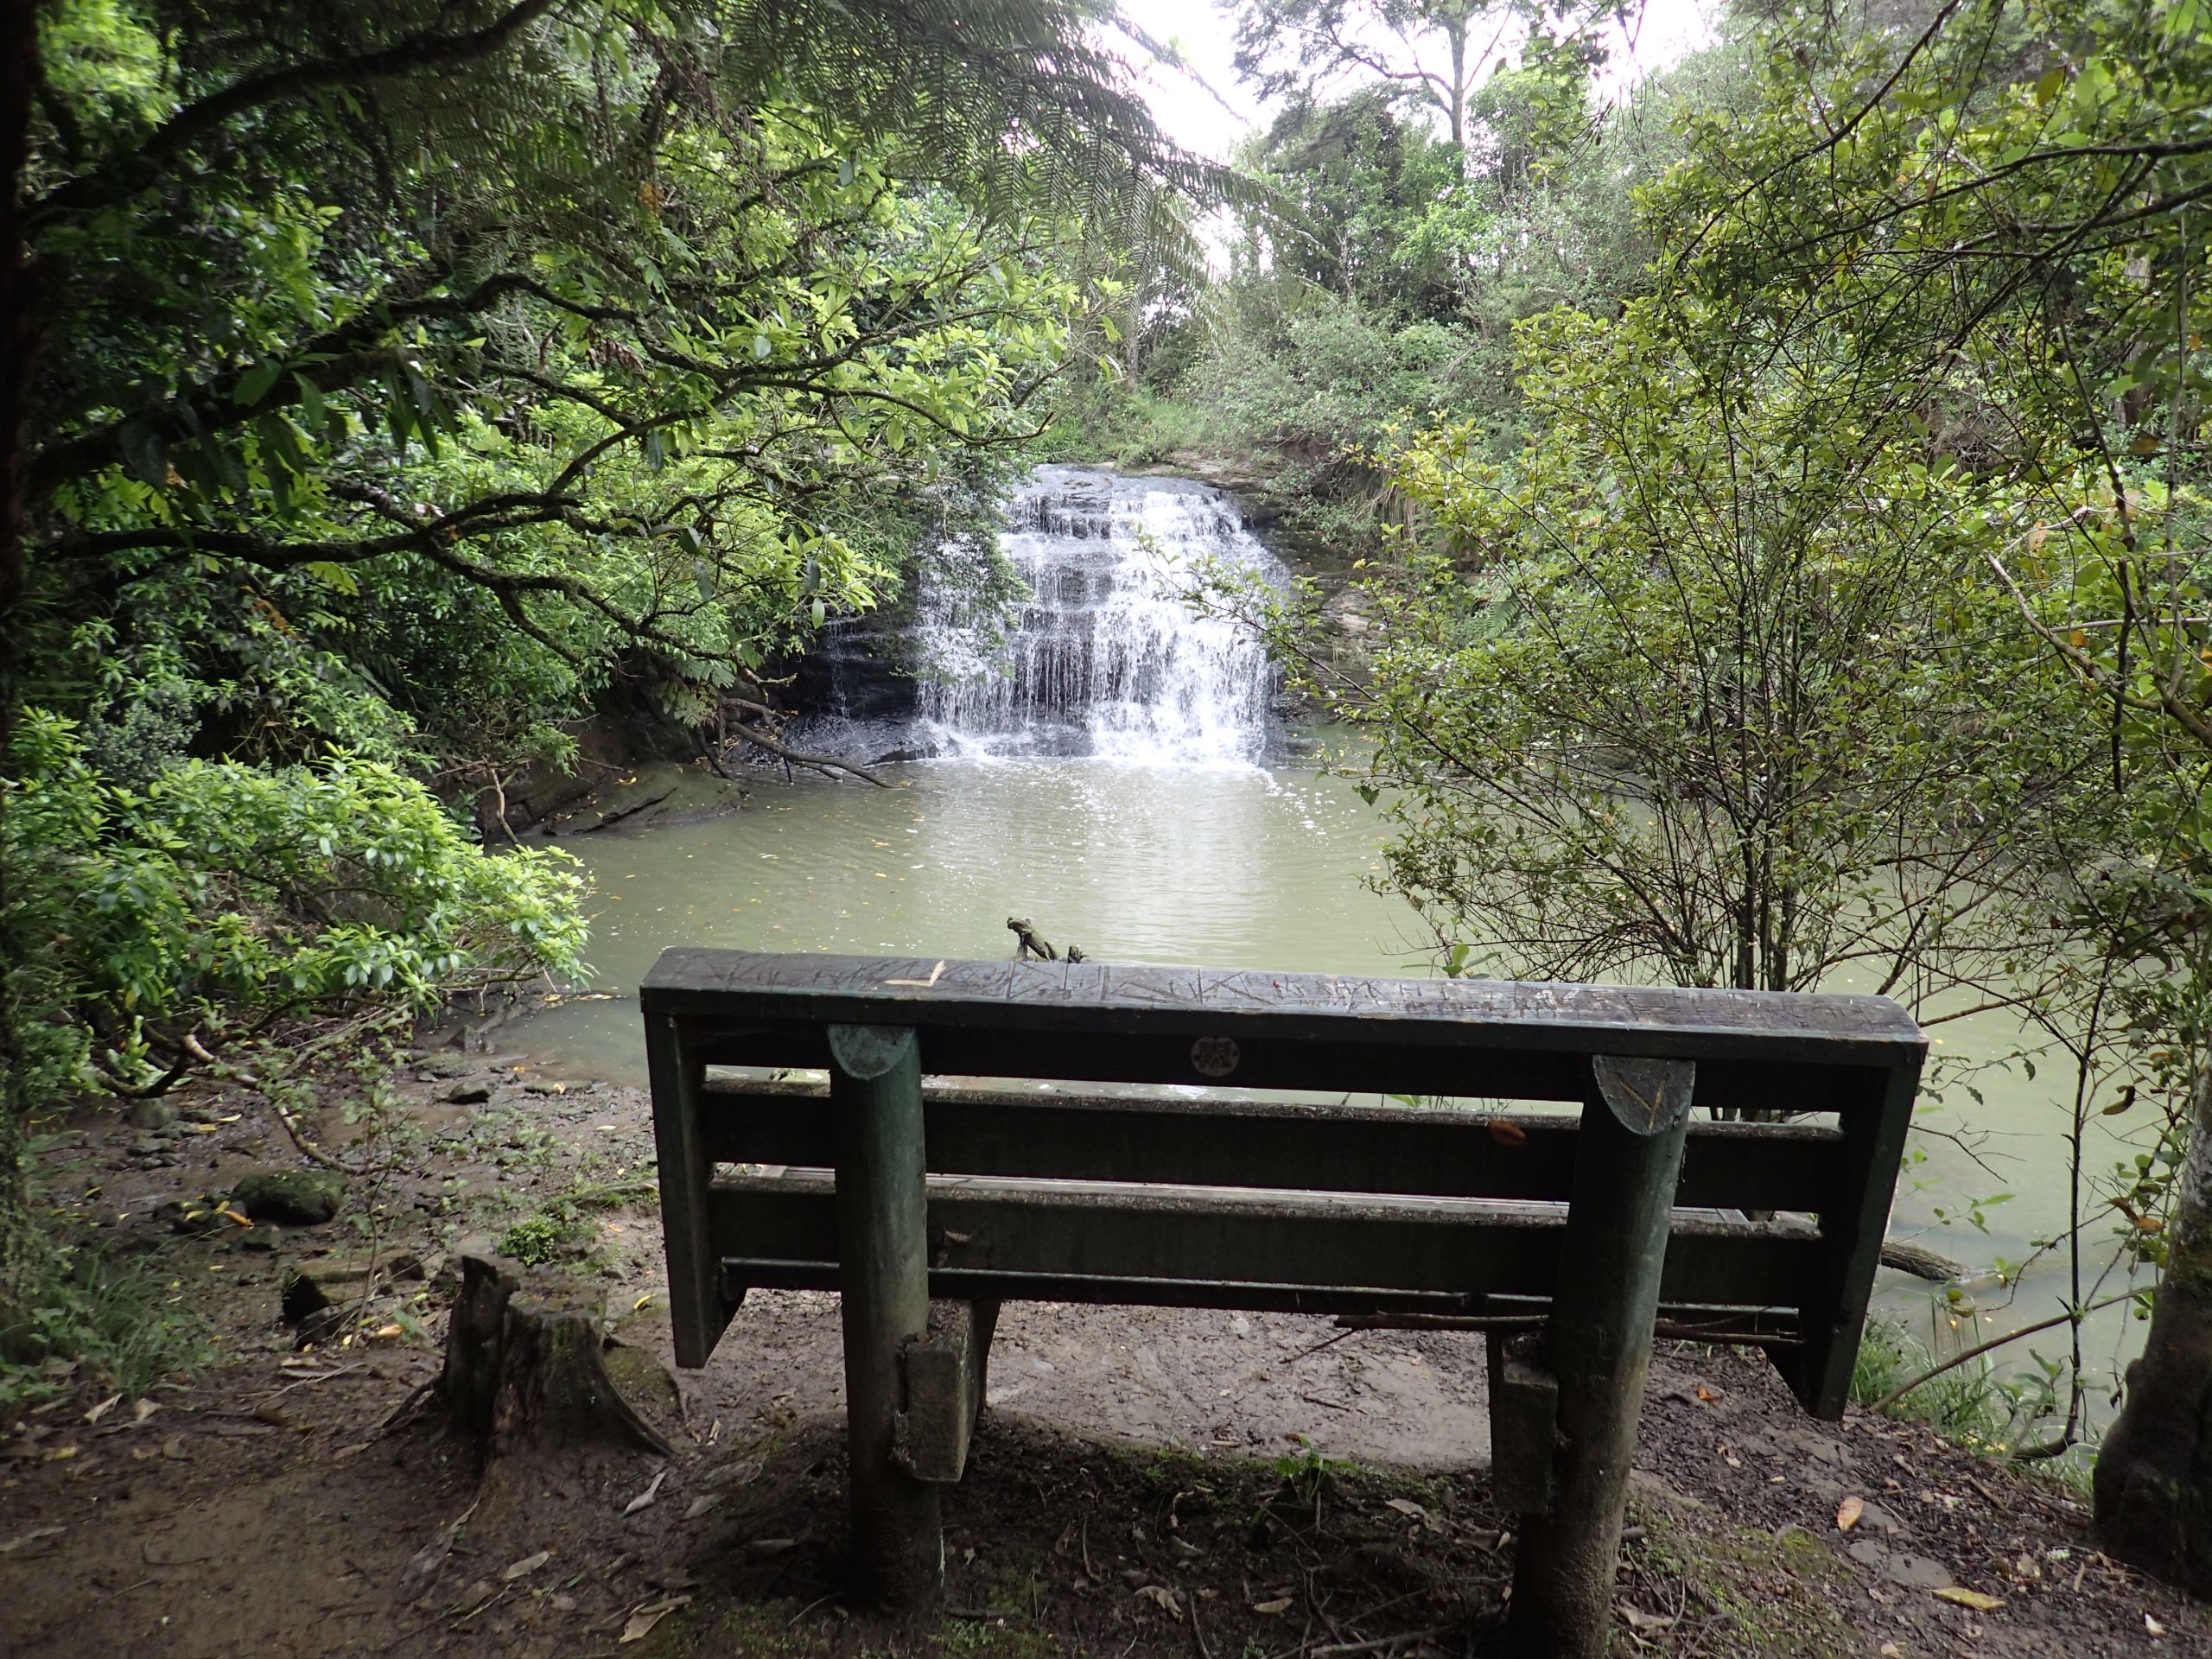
(145,926)
(553,1233)
(1129,425)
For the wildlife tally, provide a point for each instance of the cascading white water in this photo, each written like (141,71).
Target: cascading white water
(1103,658)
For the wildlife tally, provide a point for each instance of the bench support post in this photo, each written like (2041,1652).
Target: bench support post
(1627,1162)
(875,1093)
(698,1309)
(946,1375)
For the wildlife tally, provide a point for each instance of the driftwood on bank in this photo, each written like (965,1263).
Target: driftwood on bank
(525,1363)
(1028,942)
(1922,1263)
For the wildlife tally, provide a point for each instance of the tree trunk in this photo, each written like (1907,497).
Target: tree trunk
(20,1247)
(19,315)
(525,1364)
(22,1250)
(2153,1484)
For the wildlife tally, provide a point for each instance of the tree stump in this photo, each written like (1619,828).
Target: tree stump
(526,1367)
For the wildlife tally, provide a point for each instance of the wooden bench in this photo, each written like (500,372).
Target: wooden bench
(1571,1238)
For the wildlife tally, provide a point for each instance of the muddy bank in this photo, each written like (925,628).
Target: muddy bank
(1146,1481)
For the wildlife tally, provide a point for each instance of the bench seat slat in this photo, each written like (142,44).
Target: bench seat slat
(1204,1244)
(1264,1143)
(1454,1062)
(1125,1000)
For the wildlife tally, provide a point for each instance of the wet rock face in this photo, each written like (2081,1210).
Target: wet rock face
(851,675)
(1099,656)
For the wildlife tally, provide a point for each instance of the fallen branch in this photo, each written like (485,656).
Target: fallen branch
(628,810)
(828,764)
(1921,1263)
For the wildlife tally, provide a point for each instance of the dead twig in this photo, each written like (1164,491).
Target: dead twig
(400,1412)
(1975,1352)
(1375,1644)
(1331,1342)
(308,1149)
(300,1382)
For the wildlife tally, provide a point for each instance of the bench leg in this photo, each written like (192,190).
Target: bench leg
(1628,1159)
(697,1309)
(876,1092)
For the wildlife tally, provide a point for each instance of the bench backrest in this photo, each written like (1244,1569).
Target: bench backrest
(1268,1204)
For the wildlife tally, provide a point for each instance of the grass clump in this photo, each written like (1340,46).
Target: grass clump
(560,1229)
(1966,1405)
(91,1319)
(1972,1405)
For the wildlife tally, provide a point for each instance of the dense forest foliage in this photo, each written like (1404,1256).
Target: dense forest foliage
(1779,484)
(394,386)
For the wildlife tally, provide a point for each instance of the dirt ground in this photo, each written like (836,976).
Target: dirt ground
(1214,1486)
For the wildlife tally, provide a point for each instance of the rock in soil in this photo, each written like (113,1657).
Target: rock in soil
(291,1198)
(314,1286)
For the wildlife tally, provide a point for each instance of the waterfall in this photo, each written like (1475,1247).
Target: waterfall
(1102,658)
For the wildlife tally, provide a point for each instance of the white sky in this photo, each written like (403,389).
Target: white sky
(1202,32)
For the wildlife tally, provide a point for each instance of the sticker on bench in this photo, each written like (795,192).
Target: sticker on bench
(1214,1057)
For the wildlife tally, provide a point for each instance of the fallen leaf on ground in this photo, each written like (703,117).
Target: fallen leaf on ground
(415,1576)
(773,1546)
(173,1448)
(1890,1650)
(2153,1626)
(1640,1620)
(1847,1513)
(104,1407)
(526,1566)
(1707,1396)
(645,1497)
(701,1505)
(1161,1597)
(1960,1597)
(474,1598)
(30,1537)
(1411,1510)
(1279,1604)
(642,1621)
